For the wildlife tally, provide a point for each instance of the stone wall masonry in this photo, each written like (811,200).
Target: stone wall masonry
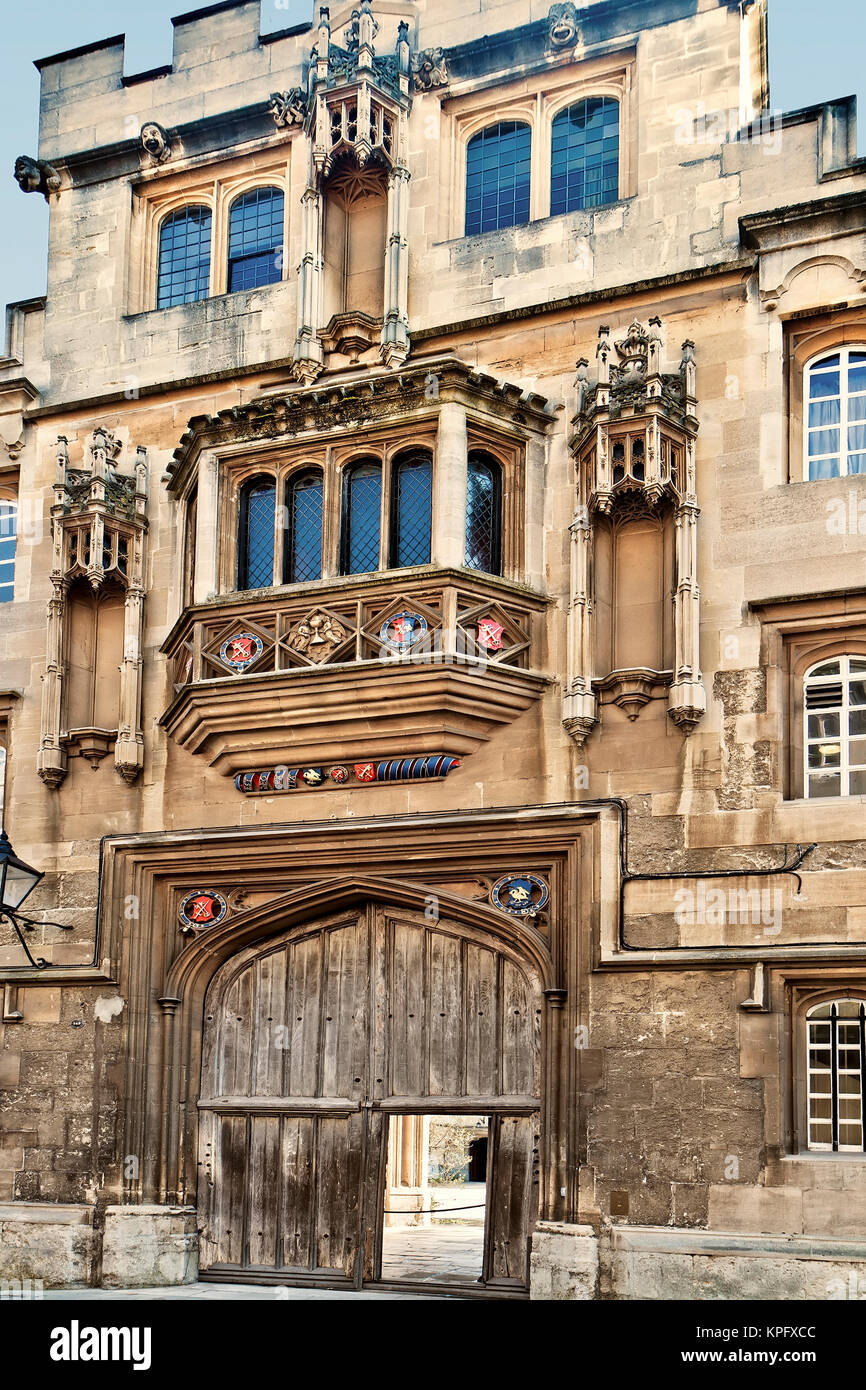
(691,185)
(52,1244)
(634,1263)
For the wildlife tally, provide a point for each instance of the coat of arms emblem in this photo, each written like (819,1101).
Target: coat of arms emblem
(490,635)
(403,631)
(239,652)
(524,895)
(203,908)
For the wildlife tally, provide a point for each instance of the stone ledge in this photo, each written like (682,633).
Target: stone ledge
(675,1241)
(46,1213)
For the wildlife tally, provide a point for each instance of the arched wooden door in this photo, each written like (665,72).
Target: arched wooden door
(311,1041)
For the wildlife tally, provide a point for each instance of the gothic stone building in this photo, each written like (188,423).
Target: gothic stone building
(434,653)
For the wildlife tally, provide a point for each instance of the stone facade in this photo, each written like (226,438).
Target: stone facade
(671,1154)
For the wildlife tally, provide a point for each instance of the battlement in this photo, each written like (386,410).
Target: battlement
(221,62)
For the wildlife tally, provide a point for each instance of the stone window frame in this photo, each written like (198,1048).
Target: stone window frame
(807,337)
(799,633)
(215,189)
(537,101)
(805,994)
(333,459)
(10,493)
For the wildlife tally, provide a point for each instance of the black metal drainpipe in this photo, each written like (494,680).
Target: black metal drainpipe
(626,877)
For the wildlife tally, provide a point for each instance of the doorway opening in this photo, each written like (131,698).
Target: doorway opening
(435,1202)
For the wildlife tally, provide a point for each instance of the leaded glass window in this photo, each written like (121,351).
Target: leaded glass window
(836,1045)
(304,539)
(362,512)
(412,511)
(497,177)
(8,533)
(256,534)
(255,239)
(835,720)
(483,515)
(585,156)
(184,257)
(835,432)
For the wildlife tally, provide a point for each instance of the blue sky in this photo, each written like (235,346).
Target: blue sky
(810,63)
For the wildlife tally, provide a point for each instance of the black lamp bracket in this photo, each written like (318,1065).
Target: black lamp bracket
(23,924)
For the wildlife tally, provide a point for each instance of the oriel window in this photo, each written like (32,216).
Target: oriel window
(411,511)
(256,239)
(484,514)
(303,554)
(361,518)
(257,522)
(184,257)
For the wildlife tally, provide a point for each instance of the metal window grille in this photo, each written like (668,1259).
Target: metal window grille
(362,509)
(497,177)
(835,433)
(412,511)
(304,549)
(483,516)
(184,257)
(836,1044)
(8,534)
(835,728)
(585,156)
(256,539)
(256,239)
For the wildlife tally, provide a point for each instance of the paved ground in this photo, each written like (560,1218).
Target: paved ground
(243,1292)
(427,1254)
(422,1255)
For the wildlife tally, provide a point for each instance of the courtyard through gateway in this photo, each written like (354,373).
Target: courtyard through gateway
(435,1199)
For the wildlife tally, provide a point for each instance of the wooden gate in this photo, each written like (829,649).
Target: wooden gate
(311,1040)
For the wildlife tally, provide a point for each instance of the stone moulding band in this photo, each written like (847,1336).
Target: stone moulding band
(425,768)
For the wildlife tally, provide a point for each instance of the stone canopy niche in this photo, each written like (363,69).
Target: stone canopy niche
(634,622)
(353,282)
(91,691)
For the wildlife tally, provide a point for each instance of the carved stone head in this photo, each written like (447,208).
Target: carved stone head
(155,142)
(28,174)
(563,31)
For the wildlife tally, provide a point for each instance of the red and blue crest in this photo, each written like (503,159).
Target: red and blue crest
(403,631)
(239,652)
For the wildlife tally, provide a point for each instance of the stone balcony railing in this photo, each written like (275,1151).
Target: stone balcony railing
(416,662)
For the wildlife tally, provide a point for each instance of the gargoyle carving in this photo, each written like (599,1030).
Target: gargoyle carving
(35,176)
(563,31)
(155,142)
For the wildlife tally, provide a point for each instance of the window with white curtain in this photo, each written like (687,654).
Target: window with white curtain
(835,405)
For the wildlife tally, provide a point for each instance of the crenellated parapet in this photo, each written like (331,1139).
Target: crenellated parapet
(635,601)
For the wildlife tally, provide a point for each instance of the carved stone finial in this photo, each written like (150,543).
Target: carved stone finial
(562,26)
(155,142)
(430,69)
(288,108)
(35,176)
